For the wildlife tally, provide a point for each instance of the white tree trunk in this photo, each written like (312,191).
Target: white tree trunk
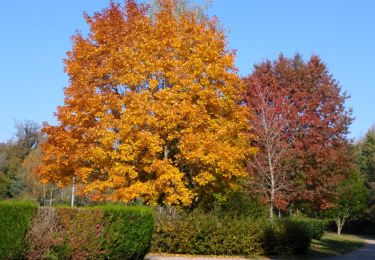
(44,194)
(340,221)
(50,197)
(73,191)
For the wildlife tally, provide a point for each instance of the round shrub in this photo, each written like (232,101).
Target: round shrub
(270,240)
(285,237)
(315,227)
(295,237)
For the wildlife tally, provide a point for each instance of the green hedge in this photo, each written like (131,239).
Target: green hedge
(208,234)
(315,227)
(205,234)
(105,232)
(15,219)
(127,231)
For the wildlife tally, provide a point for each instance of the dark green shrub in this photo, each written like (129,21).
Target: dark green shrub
(241,204)
(285,237)
(127,231)
(270,239)
(15,219)
(295,236)
(205,233)
(315,227)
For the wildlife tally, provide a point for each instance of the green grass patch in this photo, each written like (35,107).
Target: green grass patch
(332,244)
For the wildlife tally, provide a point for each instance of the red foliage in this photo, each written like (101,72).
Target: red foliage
(317,122)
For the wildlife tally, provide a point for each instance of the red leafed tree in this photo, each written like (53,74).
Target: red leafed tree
(317,123)
(270,123)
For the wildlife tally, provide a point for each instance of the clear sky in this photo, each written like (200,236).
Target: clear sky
(35,35)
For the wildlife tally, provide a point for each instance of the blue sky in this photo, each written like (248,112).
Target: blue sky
(35,36)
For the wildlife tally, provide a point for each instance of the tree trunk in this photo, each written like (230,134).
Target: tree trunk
(44,194)
(50,198)
(340,221)
(73,190)
(339,228)
(166,152)
(272,200)
(271,211)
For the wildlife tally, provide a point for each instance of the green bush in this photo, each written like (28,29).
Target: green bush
(204,234)
(211,234)
(236,204)
(15,219)
(127,231)
(315,227)
(295,236)
(285,237)
(241,204)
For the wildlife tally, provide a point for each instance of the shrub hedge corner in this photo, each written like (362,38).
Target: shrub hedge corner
(15,219)
(130,239)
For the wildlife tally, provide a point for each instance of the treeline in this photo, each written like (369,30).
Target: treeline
(156,113)
(16,158)
(20,158)
(364,219)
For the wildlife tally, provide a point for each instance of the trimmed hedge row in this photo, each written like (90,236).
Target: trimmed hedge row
(130,239)
(106,232)
(15,218)
(207,234)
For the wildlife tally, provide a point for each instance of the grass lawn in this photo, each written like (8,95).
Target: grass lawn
(332,244)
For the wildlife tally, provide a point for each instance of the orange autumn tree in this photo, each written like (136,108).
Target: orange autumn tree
(152,110)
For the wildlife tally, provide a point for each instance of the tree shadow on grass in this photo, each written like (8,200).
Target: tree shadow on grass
(333,245)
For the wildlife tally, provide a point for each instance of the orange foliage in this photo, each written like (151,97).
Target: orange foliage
(152,109)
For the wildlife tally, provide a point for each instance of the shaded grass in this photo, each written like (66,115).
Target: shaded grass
(332,244)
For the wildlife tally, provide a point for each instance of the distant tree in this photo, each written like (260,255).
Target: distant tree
(34,185)
(366,155)
(27,137)
(351,198)
(317,123)
(12,154)
(365,159)
(152,110)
